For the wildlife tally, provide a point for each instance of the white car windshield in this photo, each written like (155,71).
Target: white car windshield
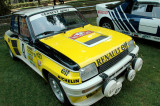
(44,24)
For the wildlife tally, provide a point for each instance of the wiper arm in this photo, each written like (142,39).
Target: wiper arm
(44,33)
(64,30)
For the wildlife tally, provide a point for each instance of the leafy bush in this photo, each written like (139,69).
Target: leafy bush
(4,8)
(28,4)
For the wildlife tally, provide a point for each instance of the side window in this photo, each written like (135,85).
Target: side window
(129,7)
(139,9)
(156,11)
(23,27)
(148,10)
(14,23)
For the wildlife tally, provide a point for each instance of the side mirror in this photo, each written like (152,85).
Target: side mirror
(26,39)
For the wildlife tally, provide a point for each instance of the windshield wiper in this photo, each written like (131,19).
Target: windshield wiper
(44,33)
(64,30)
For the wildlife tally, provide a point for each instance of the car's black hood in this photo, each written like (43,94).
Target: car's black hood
(56,56)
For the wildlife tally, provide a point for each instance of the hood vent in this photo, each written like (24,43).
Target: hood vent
(96,41)
(90,42)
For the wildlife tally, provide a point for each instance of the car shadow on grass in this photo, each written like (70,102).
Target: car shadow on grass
(147,42)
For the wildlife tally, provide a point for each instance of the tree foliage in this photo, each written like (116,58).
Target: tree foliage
(4,8)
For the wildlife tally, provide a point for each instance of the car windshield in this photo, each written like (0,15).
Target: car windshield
(50,23)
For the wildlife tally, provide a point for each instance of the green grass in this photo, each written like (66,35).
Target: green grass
(92,20)
(3,29)
(20,85)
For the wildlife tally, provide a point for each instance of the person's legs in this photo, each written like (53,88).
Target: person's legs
(54,2)
(61,1)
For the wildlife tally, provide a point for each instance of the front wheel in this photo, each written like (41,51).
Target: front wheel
(107,24)
(58,90)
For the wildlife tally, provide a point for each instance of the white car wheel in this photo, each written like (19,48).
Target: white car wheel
(107,24)
(58,90)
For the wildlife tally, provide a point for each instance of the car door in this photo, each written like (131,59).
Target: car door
(13,41)
(150,25)
(144,19)
(126,21)
(28,52)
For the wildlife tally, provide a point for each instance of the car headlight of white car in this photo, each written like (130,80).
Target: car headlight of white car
(131,45)
(88,71)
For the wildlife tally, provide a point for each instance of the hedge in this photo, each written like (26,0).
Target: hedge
(28,4)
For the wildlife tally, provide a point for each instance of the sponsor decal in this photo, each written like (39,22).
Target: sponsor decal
(39,63)
(157,38)
(29,48)
(30,57)
(34,55)
(30,53)
(146,36)
(111,54)
(39,55)
(33,49)
(68,80)
(135,35)
(102,12)
(80,34)
(54,12)
(65,72)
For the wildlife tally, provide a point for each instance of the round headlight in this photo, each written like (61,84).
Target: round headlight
(137,64)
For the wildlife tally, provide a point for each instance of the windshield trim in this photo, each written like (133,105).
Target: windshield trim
(57,32)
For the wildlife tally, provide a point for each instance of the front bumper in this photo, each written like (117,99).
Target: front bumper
(93,87)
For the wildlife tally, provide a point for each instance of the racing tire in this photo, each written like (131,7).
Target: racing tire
(58,90)
(107,24)
(11,54)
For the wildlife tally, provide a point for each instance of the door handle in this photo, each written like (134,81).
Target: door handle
(131,20)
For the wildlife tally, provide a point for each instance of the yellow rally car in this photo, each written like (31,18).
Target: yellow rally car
(81,62)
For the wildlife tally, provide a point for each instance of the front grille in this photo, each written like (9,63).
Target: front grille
(113,61)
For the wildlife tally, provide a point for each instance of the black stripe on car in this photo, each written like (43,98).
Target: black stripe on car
(57,56)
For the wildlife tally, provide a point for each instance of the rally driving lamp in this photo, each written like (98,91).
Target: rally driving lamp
(112,87)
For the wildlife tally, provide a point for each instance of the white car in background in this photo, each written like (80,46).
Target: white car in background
(138,18)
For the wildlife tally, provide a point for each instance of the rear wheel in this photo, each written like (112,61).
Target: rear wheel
(58,90)
(107,24)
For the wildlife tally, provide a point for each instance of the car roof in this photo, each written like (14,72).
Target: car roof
(149,1)
(31,11)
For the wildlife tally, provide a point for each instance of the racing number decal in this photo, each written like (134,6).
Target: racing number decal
(23,50)
(65,72)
